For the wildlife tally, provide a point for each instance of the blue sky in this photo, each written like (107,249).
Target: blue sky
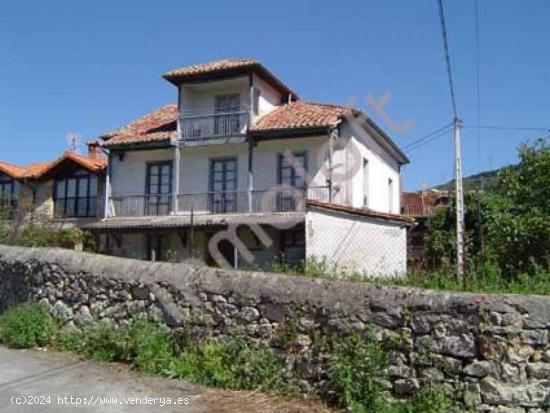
(88,67)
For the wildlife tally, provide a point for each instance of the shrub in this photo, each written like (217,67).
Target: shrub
(148,347)
(26,325)
(232,364)
(101,341)
(355,371)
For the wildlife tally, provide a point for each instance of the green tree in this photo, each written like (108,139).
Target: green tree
(513,220)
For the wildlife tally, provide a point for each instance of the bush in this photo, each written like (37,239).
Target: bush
(355,372)
(148,347)
(26,325)
(101,341)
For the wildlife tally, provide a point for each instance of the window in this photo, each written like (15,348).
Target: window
(75,196)
(365,182)
(227,121)
(7,192)
(159,188)
(390,195)
(289,176)
(293,238)
(223,184)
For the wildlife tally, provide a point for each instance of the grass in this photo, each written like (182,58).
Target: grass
(486,279)
(355,363)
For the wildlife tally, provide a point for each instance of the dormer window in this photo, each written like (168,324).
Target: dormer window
(256,102)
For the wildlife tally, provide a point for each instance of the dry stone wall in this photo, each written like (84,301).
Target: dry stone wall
(492,350)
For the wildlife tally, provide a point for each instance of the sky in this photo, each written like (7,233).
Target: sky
(88,67)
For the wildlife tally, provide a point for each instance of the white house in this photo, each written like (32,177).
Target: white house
(241,172)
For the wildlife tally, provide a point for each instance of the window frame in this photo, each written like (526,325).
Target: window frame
(7,197)
(67,202)
(229,197)
(157,200)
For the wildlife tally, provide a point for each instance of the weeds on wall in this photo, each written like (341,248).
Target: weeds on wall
(356,362)
(486,278)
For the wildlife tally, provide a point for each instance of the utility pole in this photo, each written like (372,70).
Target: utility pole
(459,204)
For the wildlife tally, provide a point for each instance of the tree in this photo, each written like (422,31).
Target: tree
(514,218)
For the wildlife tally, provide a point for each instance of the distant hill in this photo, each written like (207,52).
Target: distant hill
(472,182)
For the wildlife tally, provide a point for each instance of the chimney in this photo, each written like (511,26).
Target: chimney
(94,149)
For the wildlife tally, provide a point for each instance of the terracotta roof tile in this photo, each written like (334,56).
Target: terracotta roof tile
(301,115)
(161,119)
(210,67)
(423,203)
(128,139)
(36,169)
(220,68)
(359,211)
(12,170)
(160,125)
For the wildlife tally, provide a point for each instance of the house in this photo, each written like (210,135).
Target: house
(67,190)
(241,172)
(420,206)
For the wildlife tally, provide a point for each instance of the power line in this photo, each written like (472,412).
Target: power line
(427,136)
(433,138)
(447,57)
(478,84)
(504,127)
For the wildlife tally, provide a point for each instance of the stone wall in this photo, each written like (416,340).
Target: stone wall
(493,350)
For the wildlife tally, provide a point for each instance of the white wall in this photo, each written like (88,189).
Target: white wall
(128,176)
(199,97)
(358,144)
(357,244)
(270,98)
(266,159)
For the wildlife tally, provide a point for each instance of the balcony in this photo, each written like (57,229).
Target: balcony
(205,126)
(219,203)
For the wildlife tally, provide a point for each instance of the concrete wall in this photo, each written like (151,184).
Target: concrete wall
(366,245)
(491,351)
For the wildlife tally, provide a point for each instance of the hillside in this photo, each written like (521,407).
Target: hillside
(473,182)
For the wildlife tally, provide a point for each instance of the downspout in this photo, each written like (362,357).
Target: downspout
(177,158)
(107,195)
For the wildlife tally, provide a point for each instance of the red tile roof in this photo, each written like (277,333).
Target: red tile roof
(220,68)
(12,170)
(423,203)
(94,165)
(359,211)
(211,67)
(301,114)
(159,119)
(158,125)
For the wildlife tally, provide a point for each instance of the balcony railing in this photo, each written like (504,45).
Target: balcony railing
(226,202)
(141,205)
(196,127)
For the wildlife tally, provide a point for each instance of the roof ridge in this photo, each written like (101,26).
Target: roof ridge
(310,102)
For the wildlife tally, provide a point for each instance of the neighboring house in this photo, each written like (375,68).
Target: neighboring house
(68,190)
(421,206)
(239,151)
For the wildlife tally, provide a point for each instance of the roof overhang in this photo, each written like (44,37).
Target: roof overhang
(380,136)
(220,74)
(362,212)
(185,221)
